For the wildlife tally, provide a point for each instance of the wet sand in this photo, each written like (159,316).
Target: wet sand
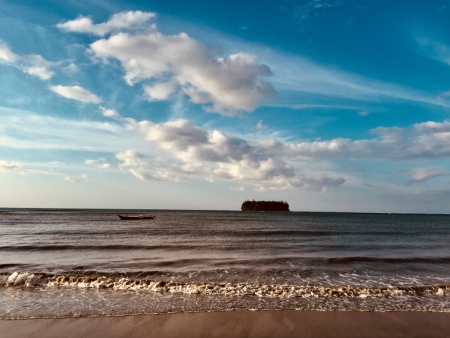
(286,323)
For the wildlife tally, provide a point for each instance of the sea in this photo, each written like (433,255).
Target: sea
(69,263)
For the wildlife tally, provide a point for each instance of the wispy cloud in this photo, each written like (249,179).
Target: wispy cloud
(20,129)
(100,163)
(435,49)
(80,179)
(298,75)
(76,93)
(425,174)
(306,11)
(34,65)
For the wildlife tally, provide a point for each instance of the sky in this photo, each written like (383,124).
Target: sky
(330,105)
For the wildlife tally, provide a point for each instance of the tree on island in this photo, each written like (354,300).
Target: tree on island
(265,206)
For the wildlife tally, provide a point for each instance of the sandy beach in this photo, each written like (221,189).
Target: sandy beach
(242,323)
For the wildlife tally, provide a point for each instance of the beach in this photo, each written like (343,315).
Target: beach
(243,323)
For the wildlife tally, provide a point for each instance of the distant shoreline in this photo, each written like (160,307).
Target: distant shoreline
(131,210)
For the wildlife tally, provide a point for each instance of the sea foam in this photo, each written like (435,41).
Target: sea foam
(25,279)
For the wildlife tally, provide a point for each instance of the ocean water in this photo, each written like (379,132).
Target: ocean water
(64,263)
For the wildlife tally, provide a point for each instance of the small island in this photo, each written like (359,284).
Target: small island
(265,206)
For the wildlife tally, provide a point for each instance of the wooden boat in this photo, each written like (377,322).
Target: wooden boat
(135,217)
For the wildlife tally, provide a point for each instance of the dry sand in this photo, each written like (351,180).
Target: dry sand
(286,323)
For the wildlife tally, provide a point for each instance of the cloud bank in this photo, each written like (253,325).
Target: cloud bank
(423,141)
(276,165)
(195,151)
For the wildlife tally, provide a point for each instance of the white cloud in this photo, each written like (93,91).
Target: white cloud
(131,158)
(76,93)
(432,126)
(180,64)
(110,113)
(100,163)
(40,72)
(179,135)
(144,168)
(34,65)
(160,91)
(117,22)
(136,164)
(6,55)
(260,125)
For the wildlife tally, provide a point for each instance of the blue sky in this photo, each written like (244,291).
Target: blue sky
(331,105)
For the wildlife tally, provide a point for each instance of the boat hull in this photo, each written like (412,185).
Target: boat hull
(135,217)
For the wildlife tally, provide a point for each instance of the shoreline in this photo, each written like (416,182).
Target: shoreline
(239,323)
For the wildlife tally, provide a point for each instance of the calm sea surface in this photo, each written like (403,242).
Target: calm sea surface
(62,263)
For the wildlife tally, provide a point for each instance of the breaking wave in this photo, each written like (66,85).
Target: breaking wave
(30,280)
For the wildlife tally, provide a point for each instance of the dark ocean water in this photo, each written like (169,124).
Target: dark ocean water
(59,263)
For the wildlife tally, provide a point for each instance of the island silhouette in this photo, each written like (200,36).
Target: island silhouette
(265,206)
